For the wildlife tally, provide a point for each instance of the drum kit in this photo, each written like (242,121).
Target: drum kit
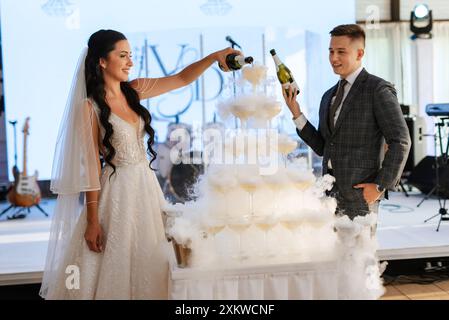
(179,169)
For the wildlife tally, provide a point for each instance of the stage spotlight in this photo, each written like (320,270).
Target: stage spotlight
(421,22)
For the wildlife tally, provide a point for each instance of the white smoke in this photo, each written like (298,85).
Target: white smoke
(359,269)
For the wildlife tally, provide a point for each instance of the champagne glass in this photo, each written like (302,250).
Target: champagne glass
(249,179)
(254,75)
(243,122)
(232,146)
(239,225)
(300,178)
(221,179)
(302,185)
(215,224)
(275,183)
(242,114)
(291,225)
(250,185)
(265,224)
(271,110)
(215,227)
(285,146)
(222,188)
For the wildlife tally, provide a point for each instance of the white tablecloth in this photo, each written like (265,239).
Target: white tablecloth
(311,280)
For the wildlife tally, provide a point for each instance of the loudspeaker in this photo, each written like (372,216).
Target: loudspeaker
(423,176)
(416,126)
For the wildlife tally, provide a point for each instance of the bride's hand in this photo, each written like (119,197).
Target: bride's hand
(220,57)
(94,237)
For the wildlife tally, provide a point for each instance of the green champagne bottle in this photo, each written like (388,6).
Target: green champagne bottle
(236,62)
(284,74)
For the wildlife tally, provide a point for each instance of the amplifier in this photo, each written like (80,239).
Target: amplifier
(416,126)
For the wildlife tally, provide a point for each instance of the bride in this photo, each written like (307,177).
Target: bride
(107,238)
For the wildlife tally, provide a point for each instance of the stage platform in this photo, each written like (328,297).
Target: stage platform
(402,234)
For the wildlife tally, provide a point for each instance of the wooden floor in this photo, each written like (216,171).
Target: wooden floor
(435,291)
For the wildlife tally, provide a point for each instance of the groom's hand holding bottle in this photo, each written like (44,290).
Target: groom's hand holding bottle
(290,100)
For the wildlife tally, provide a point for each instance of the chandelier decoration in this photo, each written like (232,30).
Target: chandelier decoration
(58,8)
(216,7)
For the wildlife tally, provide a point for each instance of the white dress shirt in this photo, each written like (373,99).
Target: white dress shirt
(301,121)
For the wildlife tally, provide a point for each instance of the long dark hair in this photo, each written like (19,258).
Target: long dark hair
(100,44)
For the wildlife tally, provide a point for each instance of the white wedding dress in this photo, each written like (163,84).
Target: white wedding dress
(133,264)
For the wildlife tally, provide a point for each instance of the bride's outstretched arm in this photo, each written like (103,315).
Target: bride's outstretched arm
(152,87)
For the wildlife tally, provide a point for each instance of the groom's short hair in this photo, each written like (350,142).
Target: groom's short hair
(353,31)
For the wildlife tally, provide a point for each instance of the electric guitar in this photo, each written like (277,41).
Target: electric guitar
(25,191)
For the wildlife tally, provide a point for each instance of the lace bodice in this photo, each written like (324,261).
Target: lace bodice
(127,139)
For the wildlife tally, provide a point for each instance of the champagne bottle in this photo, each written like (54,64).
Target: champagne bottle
(236,62)
(284,74)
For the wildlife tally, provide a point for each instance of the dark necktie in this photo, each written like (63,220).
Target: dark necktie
(337,102)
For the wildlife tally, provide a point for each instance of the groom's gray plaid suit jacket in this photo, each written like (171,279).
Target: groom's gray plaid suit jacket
(369,114)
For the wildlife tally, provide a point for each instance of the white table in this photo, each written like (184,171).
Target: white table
(310,280)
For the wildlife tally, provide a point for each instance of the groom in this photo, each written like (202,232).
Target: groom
(356,116)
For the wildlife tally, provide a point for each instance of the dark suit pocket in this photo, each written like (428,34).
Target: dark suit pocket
(353,177)
(353,198)
(359,196)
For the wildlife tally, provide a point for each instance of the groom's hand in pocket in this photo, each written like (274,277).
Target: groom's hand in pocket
(370,193)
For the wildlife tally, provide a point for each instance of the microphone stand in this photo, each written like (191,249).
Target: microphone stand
(443,211)
(18,214)
(15,168)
